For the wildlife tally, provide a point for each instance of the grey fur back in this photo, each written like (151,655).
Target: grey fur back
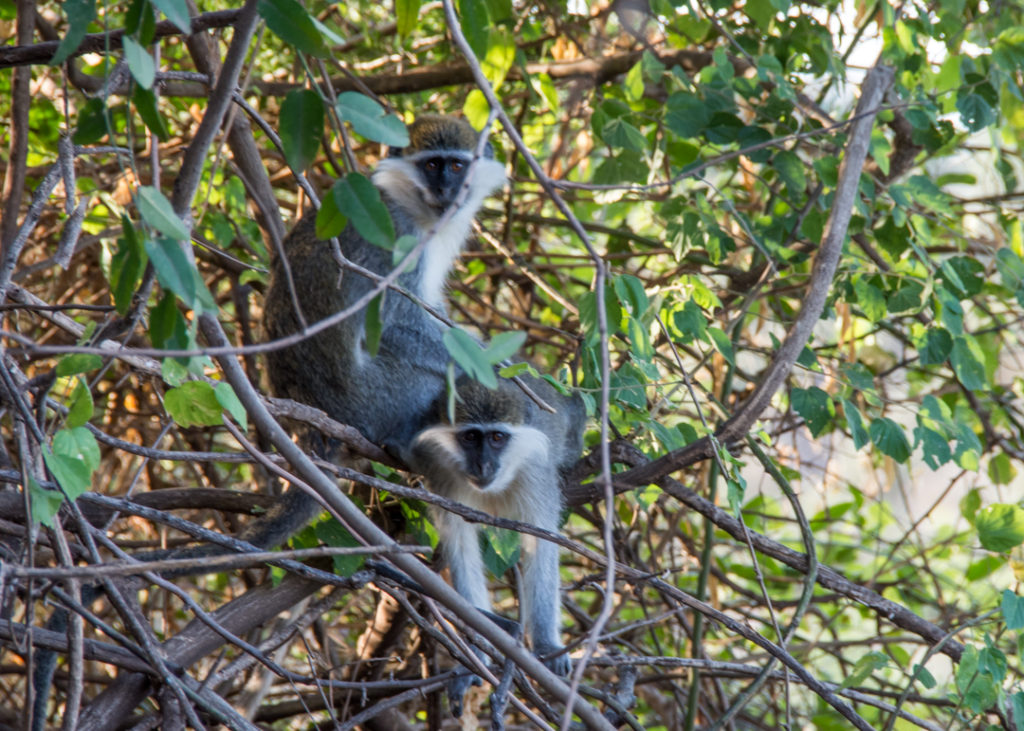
(388,397)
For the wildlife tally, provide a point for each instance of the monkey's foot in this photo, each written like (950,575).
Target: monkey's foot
(560,664)
(457,688)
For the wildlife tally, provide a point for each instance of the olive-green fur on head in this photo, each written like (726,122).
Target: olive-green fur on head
(477,404)
(440,132)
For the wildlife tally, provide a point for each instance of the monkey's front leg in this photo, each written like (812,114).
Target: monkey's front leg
(461,551)
(540,597)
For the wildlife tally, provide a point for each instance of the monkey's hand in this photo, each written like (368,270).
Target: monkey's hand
(457,688)
(554,657)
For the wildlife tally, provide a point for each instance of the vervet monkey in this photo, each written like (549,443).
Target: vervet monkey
(388,396)
(505,456)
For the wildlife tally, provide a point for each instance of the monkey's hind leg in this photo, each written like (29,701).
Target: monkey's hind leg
(540,598)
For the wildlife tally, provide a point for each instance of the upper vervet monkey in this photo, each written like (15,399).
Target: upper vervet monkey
(386,397)
(504,455)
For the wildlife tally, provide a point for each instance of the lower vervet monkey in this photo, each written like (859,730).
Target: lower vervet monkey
(505,456)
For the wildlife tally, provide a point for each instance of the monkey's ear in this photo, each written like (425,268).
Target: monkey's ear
(396,151)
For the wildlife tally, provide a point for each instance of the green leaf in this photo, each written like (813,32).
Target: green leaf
(334,534)
(373,326)
(330,221)
(468,355)
(290,22)
(140,21)
(1017,706)
(301,124)
(403,245)
(639,339)
(501,54)
(1011,271)
(631,293)
(91,125)
(80,406)
(80,13)
(369,119)
(140,62)
(889,437)
(691,322)
(227,398)
(969,368)
(870,298)
(146,106)
(499,549)
(589,316)
(126,267)
(937,345)
(855,423)
(975,112)
(475,24)
(359,200)
(1013,610)
(722,344)
(177,274)
(79,444)
(621,134)
(72,474)
(633,84)
(1000,469)
(790,168)
(504,345)
(815,406)
(964,275)
(176,12)
(686,115)
(408,12)
(906,299)
(75,363)
(922,675)
(45,503)
(1000,527)
(156,211)
(935,447)
(163,321)
(194,404)
(864,669)
(173,371)
(984,567)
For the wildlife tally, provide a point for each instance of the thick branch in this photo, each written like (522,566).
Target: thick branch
(41,53)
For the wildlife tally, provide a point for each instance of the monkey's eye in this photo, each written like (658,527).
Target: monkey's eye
(498,439)
(456,166)
(431,165)
(469,437)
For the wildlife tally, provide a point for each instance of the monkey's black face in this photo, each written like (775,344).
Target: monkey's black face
(443,174)
(482,449)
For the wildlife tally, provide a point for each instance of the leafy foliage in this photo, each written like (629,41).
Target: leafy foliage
(702,150)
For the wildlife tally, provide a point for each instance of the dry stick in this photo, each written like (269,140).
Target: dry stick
(44,639)
(75,632)
(17,154)
(747,694)
(25,55)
